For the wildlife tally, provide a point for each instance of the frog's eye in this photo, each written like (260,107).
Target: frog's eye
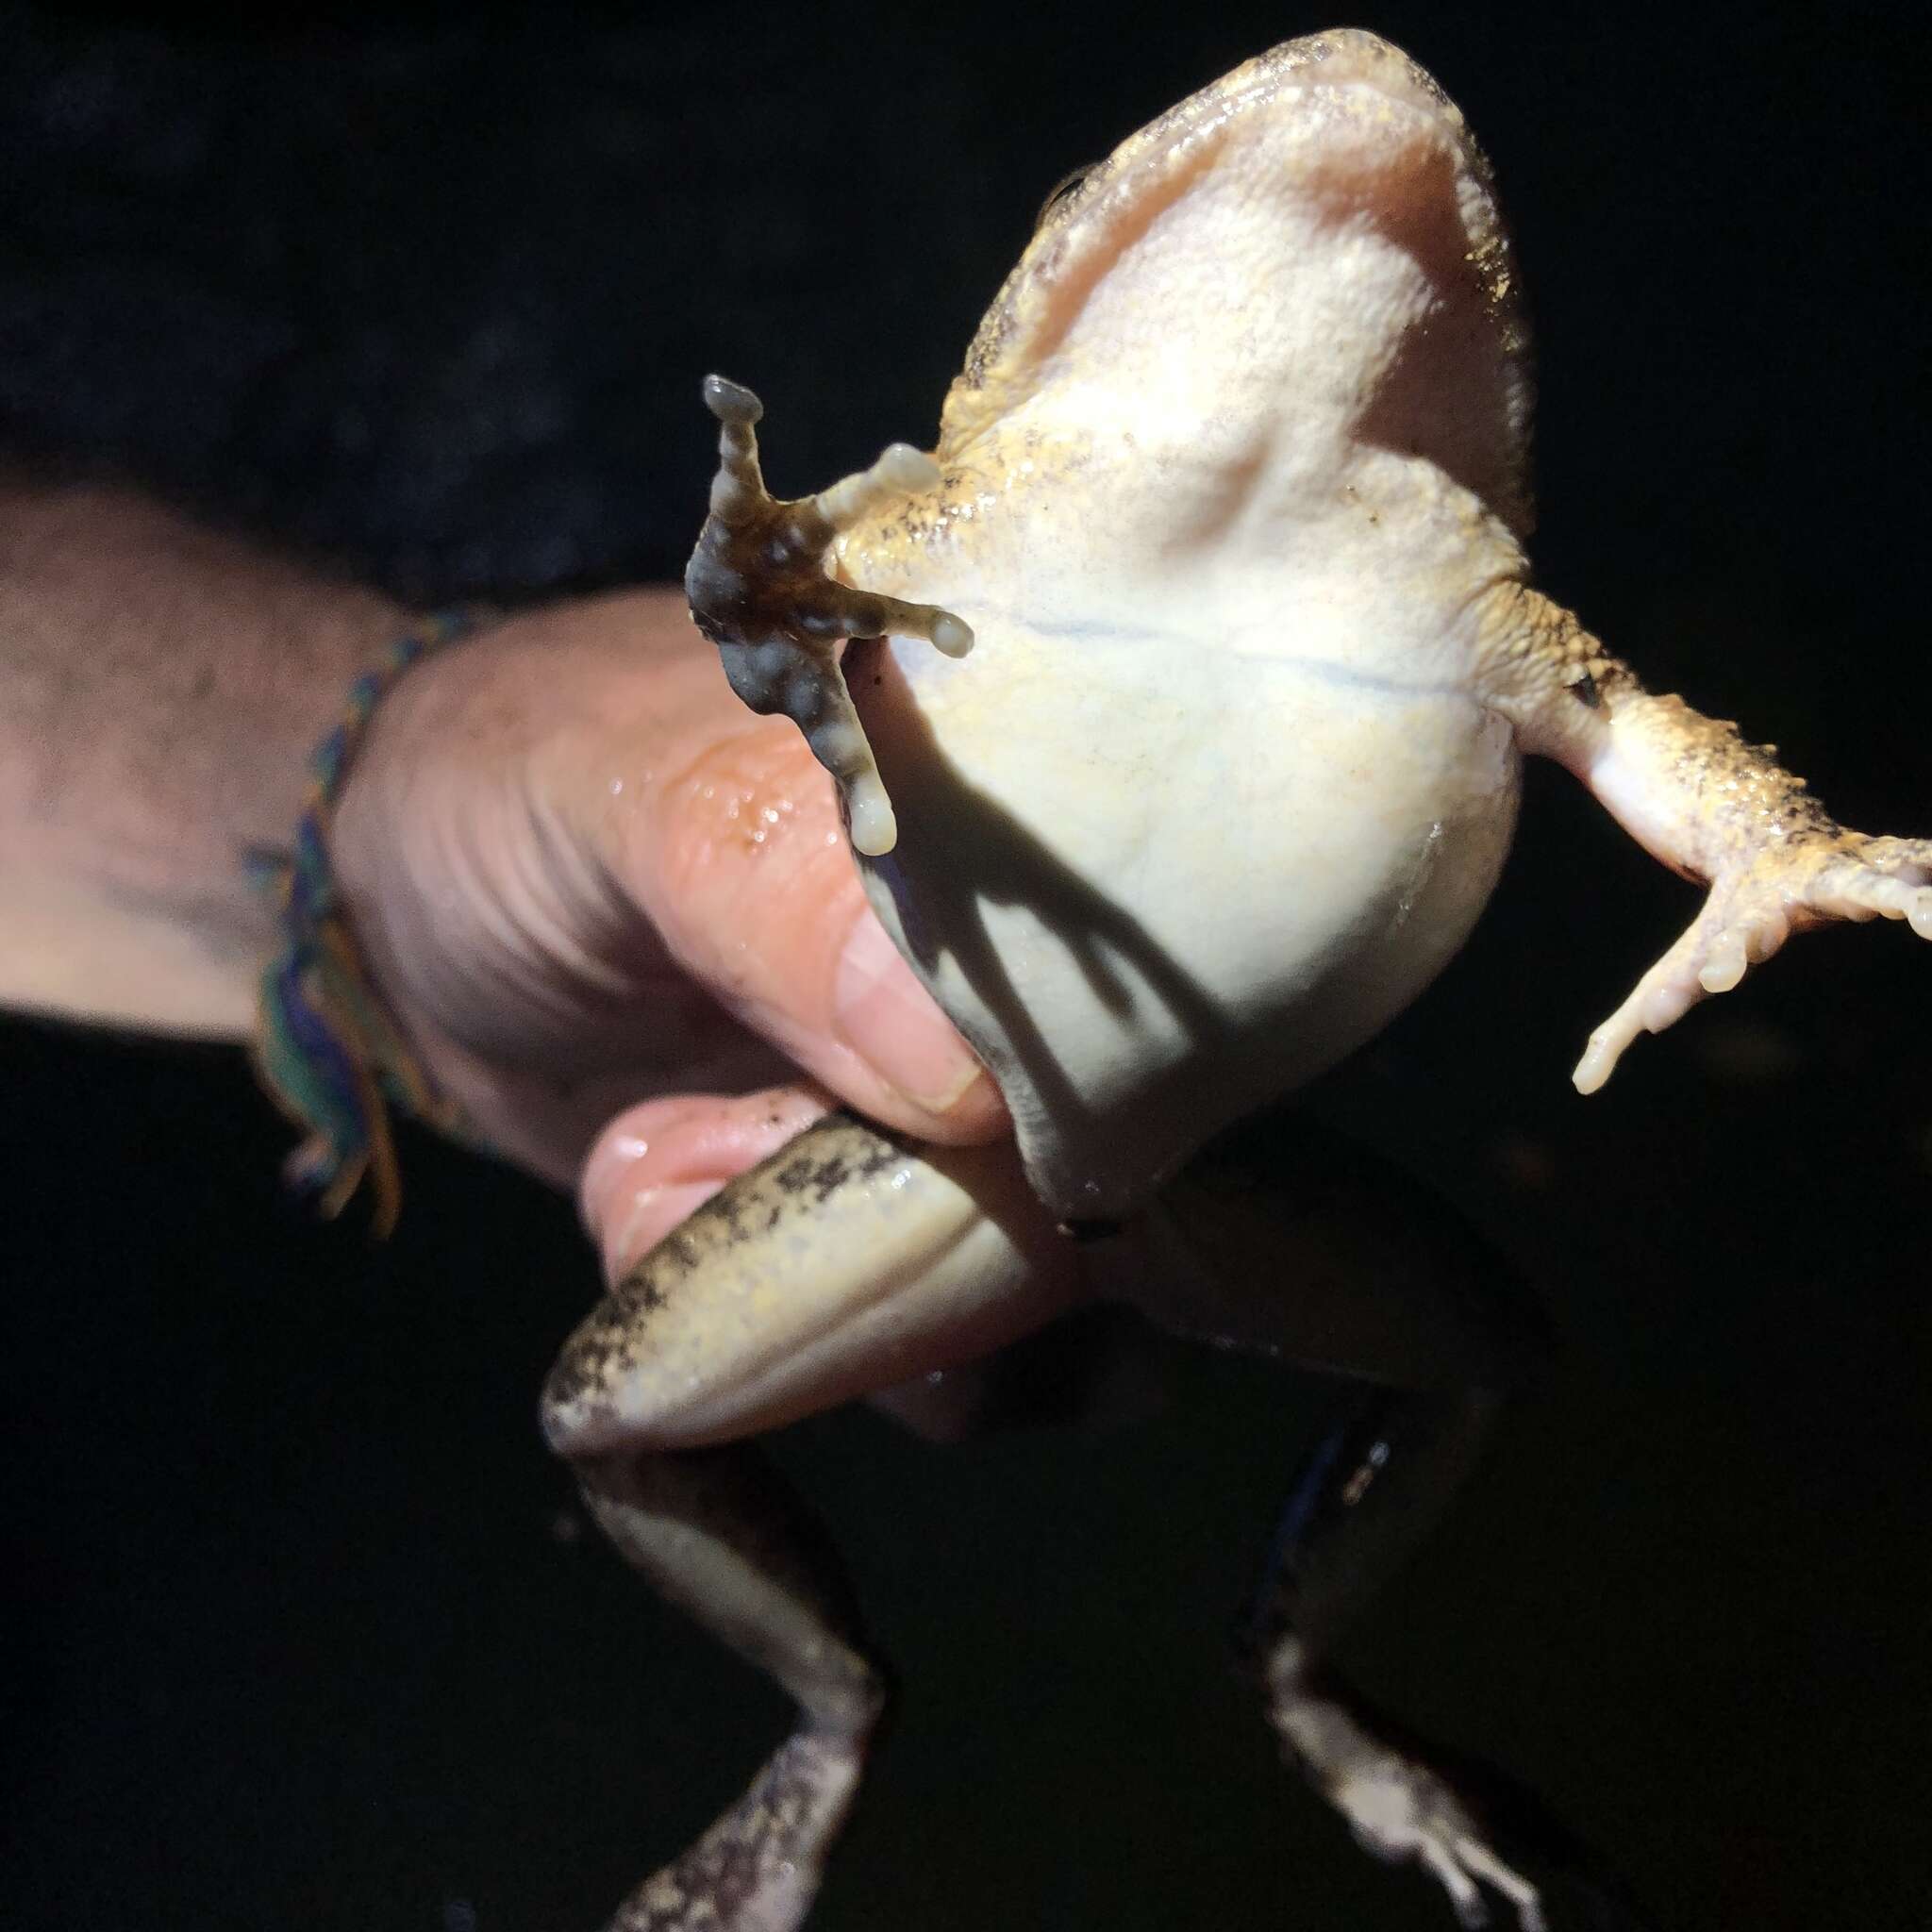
(1063,191)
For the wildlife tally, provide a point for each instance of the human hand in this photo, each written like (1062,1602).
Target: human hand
(601,895)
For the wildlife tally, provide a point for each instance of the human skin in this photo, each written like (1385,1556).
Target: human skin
(614,912)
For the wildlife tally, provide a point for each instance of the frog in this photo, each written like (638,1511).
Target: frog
(1177,702)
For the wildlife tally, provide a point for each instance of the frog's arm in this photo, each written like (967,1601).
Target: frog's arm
(759,591)
(1697,796)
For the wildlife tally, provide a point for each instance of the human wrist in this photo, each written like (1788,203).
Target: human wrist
(465,821)
(569,840)
(160,685)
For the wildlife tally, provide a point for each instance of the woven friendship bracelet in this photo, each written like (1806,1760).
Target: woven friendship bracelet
(328,1049)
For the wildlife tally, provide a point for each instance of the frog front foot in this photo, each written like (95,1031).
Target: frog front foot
(1398,1807)
(1820,874)
(759,591)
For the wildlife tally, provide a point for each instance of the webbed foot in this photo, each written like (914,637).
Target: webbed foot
(1397,1807)
(757,589)
(1776,889)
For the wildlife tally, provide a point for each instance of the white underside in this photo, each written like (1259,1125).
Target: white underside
(1212,797)
(1140,963)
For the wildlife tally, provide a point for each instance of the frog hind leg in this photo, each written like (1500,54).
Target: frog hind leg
(1332,1545)
(847,1259)
(1699,796)
(1281,1240)
(721,1536)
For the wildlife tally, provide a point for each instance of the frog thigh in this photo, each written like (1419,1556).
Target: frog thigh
(849,1260)
(844,1261)
(1285,1236)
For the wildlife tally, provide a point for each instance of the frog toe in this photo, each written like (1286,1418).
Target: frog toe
(1401,1809)
(1752,910)
(1705,960)
(731,402)
(1894,880)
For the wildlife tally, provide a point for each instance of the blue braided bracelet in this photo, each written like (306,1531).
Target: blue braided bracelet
(328,1049)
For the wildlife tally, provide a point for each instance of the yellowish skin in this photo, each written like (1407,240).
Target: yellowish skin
(1215,763)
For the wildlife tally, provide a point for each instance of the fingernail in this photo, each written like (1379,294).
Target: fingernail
(612,1160)
(883,1015)
(626,1235)
(647,1219)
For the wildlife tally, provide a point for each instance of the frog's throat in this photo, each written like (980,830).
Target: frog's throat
(1082,229)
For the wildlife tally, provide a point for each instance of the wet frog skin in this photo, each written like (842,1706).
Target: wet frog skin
(1213,766)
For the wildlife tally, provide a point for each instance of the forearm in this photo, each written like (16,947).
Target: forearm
(160,688)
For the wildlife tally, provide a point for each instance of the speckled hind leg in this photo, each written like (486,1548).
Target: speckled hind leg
(758,590)
(1707,802)
(848,1260)
(1286,1242)
(721,1536)
(1368,1493)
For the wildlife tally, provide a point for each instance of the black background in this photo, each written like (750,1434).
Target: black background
(306,1630)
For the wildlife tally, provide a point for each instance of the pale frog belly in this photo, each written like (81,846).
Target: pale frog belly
(1169,892)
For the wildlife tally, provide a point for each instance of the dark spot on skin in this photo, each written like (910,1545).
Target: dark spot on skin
(1063,190)
(1084,1231)
(820,1179)
(820,1176)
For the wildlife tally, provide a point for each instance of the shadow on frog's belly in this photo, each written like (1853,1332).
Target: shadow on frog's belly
(991,863)
(1117,1055)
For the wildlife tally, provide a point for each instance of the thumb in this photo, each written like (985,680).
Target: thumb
(882,1013)
(773,922)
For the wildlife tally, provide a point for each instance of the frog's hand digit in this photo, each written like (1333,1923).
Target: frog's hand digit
(757,589)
